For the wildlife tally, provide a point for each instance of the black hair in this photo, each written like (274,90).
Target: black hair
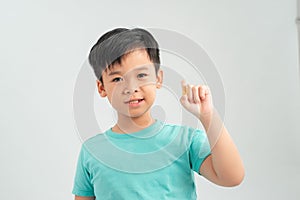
(115,44)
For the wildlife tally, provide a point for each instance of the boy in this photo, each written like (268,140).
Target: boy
(141,157)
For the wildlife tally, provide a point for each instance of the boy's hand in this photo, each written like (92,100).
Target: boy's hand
(197,100)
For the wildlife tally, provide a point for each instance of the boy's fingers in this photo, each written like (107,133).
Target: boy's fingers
(196,94)
(184,87)
(183,100)
(190,94)
(203,91)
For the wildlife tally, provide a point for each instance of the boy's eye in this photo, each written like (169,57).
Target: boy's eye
(141,75)
(117,79)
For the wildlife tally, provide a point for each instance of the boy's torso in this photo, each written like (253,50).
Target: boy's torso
(153,164)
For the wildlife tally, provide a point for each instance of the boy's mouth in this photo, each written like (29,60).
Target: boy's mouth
(134,101)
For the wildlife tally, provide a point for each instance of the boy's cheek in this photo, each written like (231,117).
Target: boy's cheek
(147,82)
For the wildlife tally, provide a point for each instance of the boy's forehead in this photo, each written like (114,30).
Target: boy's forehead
(137,59)
(119,68)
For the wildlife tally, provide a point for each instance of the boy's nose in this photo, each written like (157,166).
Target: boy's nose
(127,91)
(131,87)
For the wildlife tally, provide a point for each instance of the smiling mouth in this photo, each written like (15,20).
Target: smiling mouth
(134,101)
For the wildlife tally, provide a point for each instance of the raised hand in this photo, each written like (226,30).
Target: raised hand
(197,100)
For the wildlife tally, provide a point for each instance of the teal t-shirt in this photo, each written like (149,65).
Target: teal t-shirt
(154,163)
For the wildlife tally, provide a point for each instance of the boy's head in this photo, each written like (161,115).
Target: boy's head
(126,64)
(115,44)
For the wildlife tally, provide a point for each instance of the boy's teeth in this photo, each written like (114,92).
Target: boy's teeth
(135,101)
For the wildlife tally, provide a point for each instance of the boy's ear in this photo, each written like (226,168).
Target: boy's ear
(159,79)
(101,89)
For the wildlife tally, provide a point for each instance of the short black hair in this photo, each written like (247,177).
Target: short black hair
(115,44)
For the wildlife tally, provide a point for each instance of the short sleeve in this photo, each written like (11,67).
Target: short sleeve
(199,149)
(82,181)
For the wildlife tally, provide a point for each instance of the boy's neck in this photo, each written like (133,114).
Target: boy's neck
(132,124)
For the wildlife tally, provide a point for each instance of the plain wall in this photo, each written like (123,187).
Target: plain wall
(44,44)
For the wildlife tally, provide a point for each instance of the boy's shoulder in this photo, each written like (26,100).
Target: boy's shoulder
(184,129)
(94,139)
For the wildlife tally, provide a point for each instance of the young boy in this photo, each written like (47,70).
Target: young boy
(141,157)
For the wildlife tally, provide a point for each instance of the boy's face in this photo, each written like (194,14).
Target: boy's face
(131,86)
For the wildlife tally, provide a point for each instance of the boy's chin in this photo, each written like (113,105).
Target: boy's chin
(135,116)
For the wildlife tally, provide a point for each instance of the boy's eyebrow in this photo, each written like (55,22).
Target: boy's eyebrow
(114,73)
(135,69)
(141,68)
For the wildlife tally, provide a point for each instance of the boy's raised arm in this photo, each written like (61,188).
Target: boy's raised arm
(224,166)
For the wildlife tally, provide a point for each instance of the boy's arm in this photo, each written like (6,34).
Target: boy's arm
(224,166)
(84,198)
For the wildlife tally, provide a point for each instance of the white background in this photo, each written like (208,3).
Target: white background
(43,44)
